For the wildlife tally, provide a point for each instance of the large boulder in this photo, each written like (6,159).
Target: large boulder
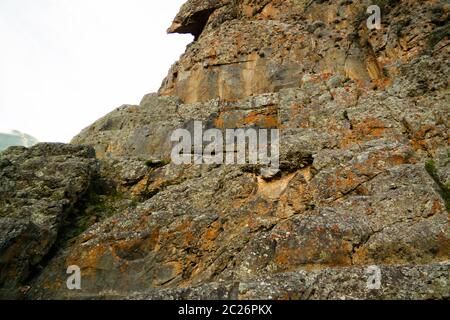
(39,188)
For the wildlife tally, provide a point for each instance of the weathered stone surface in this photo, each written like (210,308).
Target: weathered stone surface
(398,282)
(355,194)
(225,224)
(38,189)
(134,130)
(251,47)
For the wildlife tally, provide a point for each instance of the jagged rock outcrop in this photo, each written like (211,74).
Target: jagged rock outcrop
(255,46)
(39,188)
(364,162)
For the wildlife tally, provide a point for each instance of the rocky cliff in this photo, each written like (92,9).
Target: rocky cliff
(364,175)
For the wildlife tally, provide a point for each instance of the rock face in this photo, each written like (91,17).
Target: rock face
(39,188)
(251,47)
(364,164)
(399,283)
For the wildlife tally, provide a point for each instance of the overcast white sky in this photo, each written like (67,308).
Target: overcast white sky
(66,63)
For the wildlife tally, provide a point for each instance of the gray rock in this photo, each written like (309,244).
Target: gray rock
(38,189)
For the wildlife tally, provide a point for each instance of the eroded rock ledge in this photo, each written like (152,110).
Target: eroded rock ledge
(249,47)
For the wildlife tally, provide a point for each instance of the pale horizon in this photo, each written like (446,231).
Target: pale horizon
(67,63)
